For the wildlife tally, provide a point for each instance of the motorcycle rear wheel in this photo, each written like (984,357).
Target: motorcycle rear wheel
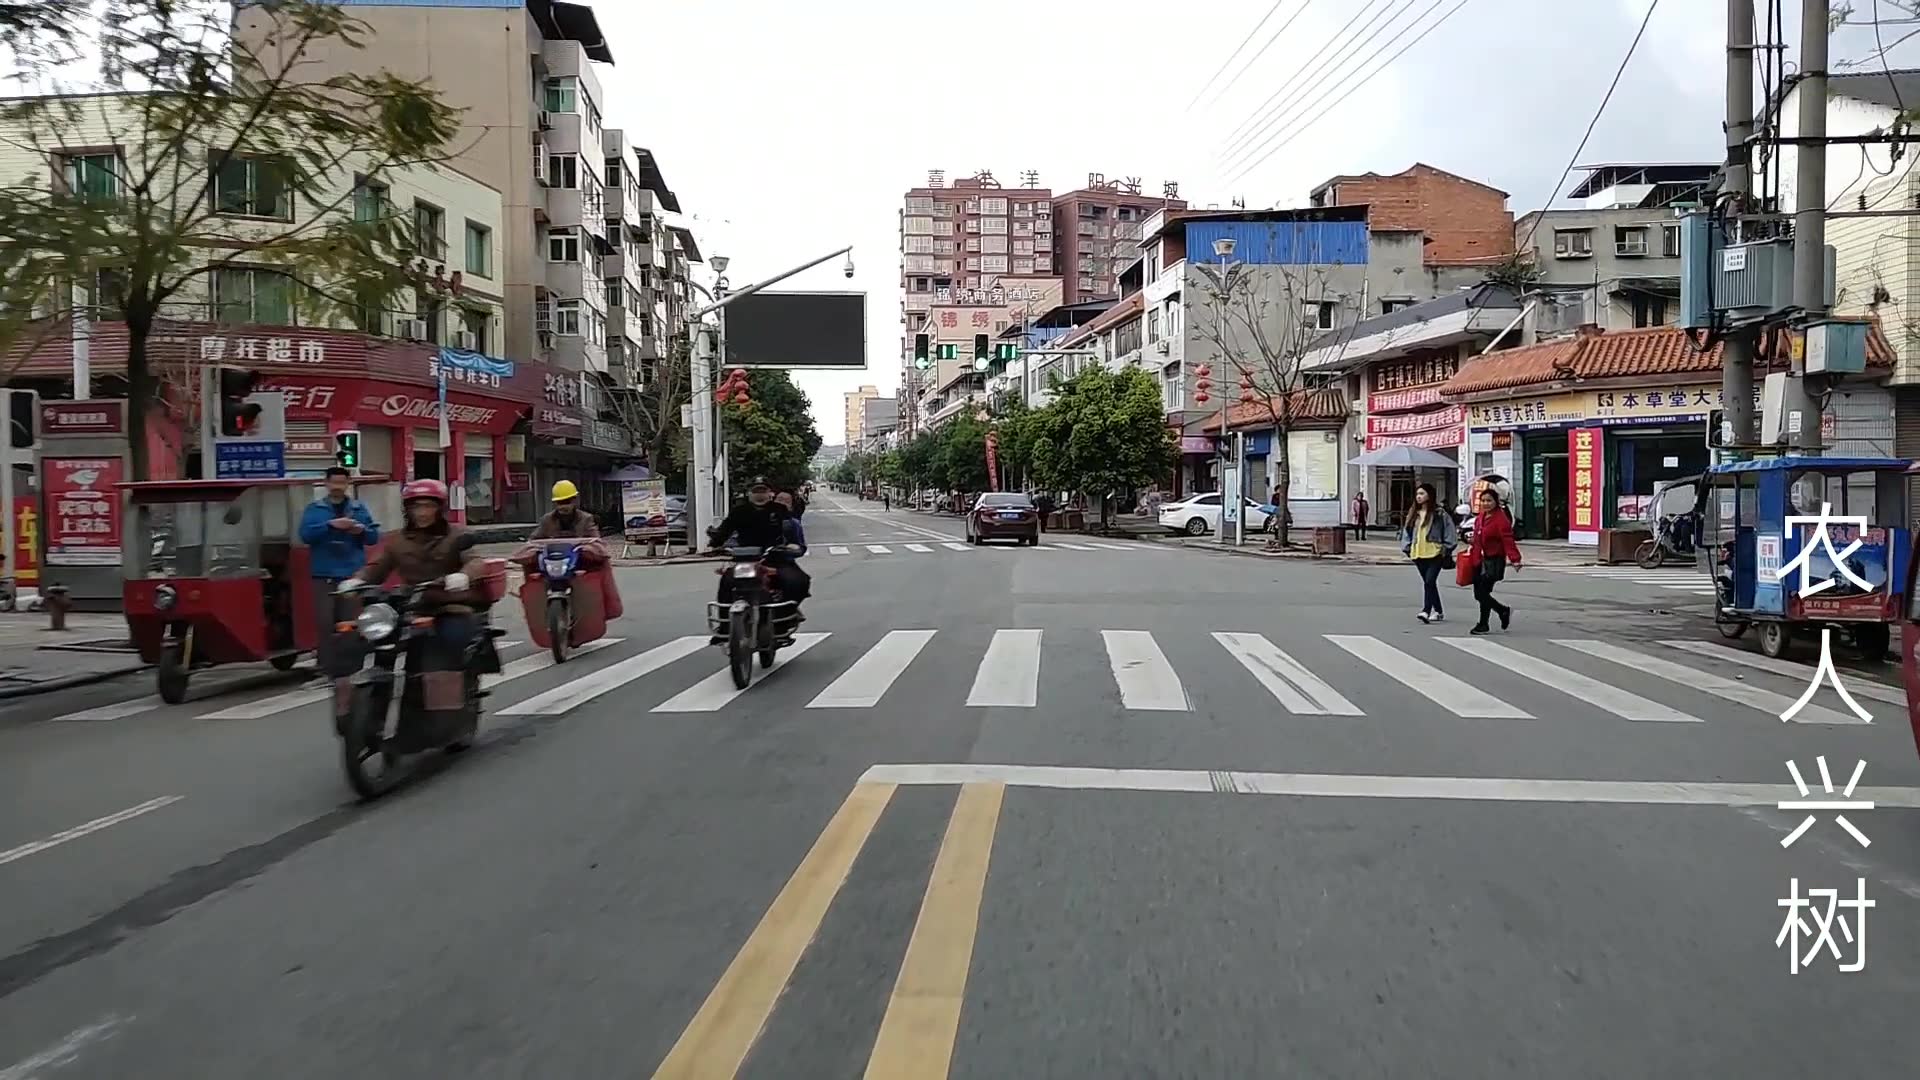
(371,769)
(557,629)
(1650,555)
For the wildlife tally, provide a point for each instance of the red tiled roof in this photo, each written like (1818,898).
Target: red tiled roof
(1618,354)
(1306,406)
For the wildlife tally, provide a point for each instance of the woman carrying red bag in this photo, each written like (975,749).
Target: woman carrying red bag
(1485,563)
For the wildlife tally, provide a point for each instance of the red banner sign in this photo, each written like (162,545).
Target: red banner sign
(26,541)
(1586,479)
(376,403)
(83,417)
(1407,423)
(83,510)
(993,461)
(1443,439)
(1402,400)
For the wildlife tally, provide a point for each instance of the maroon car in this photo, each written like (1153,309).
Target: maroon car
(1003,515)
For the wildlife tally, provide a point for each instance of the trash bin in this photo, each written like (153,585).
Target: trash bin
(1330,541)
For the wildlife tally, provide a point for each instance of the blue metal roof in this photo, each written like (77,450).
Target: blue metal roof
(1824,464)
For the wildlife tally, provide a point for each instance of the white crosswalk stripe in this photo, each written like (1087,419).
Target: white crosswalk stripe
(1686,675)
(1621,703)
(717,690)
(922,548)
(1301,691)
(934,546)
(1009,674)
(954,545)
(838,549)
(1798,672)
(1674,578)
(1146,680)
(1458,697)
(868,680)
(880,549)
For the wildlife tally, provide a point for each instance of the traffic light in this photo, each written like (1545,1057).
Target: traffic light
(23,412)
(949,351)
(346,450)
(1006,350)
(1717,429)
(237,414)
(920,343)
(979,352)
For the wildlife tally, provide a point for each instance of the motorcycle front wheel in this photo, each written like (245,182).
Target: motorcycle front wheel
(740,651)
(371,768)
(557,629)
(1650,555)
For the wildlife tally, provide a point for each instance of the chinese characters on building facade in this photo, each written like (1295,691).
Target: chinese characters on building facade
(272,350)
(1586,479)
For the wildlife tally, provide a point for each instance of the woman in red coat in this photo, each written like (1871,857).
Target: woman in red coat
(1492,551)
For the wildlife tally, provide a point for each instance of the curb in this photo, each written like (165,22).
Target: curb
(68,683)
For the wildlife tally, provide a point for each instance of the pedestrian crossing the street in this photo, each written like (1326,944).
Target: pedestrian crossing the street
(1680,579)
(1516,679)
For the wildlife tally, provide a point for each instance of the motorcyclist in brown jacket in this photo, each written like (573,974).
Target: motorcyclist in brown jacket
(566,521)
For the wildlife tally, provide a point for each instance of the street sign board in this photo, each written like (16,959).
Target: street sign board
(249,459)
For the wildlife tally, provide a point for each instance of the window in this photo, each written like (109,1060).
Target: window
(918,226)
(479,250)
(429,230)
(918,245)
(646,277)
(994,245)
(371,201)
(477,322)
(646,325)
(613,172)
(993,264)
(1319,314)
(973,243)
(432,312)
(566,317)
(919,204)
(993,225)
(1573,243)
(921,284)
(252,187)
(1023,266)
(93,176)
(563,246)
(561,94)
(563,170)
(1630,240)
(1023,247)
(247,295)
(615,292)
(1388,307)
(994,206)
(1670,241)
(973,263)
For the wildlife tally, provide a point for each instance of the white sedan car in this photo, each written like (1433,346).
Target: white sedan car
(1200,515)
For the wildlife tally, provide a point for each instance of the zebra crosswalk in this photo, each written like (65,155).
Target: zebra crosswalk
(1332,675)
(939,547)
(1671,578)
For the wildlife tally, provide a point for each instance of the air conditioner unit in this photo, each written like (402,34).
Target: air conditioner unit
(412,329)
(540,165)
(546,120)
(466,339)
(546,339)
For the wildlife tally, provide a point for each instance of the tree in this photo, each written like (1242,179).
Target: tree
(652,410)
(772,435)
(1262,322)
(1104,431)
(229,157)
(965,444)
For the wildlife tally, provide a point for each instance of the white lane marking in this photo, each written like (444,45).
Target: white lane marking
(1800,672)
(1073,547)
(267,706)
(65,1052)
(1141,670)
(1457,696)
(78,831)
(867,681)
(921,548)
(954,545)
(1113,547)
(507,643)
(1619,702)
(838,549)
(1298,690)
(114,712)
(716,691)
(1009,674)
(1356,786)
(587,687)
(1745,694)
(880,549)
(527,665)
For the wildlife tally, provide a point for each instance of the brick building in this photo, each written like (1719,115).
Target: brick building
(1461,221)
(1098,233)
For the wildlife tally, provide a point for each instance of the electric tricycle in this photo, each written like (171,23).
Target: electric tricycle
(1777,569)
(216,573)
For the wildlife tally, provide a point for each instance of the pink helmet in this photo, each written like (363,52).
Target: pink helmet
(424,489)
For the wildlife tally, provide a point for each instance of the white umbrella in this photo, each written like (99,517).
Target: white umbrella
(1402,456)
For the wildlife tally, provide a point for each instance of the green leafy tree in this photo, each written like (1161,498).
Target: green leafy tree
(227,157)
(965,442)
(1104,431)
(773,435)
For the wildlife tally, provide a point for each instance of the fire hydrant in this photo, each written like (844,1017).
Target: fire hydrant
(57,605)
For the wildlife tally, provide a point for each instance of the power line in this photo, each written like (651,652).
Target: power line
(1294,130)
(1260,112)
(1591,124)
(1224,64)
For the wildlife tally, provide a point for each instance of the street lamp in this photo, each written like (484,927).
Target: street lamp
(1223,250)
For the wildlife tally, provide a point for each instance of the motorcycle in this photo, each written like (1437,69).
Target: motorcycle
(757,620)
(392,624)
(557,562)
(1670,537)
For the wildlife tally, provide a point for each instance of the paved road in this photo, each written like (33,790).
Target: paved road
(1100,810)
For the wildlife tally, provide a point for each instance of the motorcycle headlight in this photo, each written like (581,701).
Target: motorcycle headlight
(377,622)
(165,597)
(556,567)
(745,570)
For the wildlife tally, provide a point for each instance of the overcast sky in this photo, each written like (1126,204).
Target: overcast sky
(791,129)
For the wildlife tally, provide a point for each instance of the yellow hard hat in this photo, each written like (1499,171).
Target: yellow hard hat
(565,490)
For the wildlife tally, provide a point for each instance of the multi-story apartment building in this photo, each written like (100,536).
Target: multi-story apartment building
(956,238)
(643,292)
(533,126)
(1097,233)
(1613,259)
(856,402)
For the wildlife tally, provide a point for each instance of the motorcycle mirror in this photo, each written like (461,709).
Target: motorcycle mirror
(235,511)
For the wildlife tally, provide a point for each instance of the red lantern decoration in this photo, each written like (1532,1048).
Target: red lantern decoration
(1200,396)
(1246,397)
(1203,371)
(741,397)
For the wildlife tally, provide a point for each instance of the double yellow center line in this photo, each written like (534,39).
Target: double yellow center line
(923,1014)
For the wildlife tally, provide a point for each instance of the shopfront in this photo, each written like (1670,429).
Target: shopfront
(571,443)
(1404,409)
(1588,460)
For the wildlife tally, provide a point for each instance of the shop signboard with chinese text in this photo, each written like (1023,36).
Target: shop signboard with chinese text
(83,510)
(466,368)
(1651,405)
(1436,429)
(1586,482)
(246,350)
(83,417)
(378,403)
(249,459)
(1415,372)
(1403,400)
(1844,598)
(1443,439)
(26,541)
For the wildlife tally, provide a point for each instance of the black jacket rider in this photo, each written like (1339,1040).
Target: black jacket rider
(762,526)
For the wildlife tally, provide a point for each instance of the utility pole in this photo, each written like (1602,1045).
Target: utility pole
(1809,215)
(1736,370)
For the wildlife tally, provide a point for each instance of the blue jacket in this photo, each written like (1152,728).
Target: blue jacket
(337,553)
(795,535)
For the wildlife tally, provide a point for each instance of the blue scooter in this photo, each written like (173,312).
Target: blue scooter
(558,562)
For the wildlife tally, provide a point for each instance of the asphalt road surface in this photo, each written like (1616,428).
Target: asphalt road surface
(1096,809)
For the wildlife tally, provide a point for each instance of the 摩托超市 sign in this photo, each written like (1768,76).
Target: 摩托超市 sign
(1651,404)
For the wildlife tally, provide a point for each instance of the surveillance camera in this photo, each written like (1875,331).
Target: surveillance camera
(848,269)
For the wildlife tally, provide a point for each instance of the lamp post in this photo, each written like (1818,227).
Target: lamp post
(1223,250)
(706,492)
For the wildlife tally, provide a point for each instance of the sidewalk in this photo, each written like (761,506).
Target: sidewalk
(36,660)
